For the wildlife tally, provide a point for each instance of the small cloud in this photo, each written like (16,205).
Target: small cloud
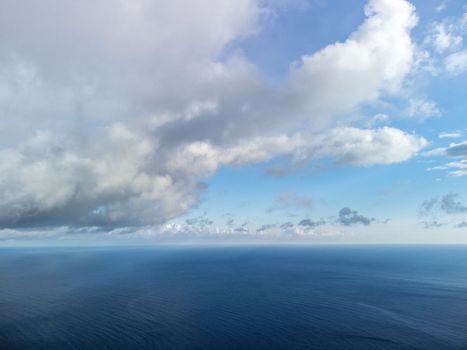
(454,150)
(457,150)
(451,134)
(461,167)
(456,63)
(422,109)
(445,36)
(379,119)
(448,204)
(462,224)
(435,152)
(286,226)
(241,229)
(201,221)
(191,221)
(441,7)
(265,227)
(310,223)
(431,224)
(348,217)
(428,206)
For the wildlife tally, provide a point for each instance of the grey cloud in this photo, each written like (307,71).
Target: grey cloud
(265,227)
(457,166)
(286,226)
(310,223)
(431,224)
(450,204)
(428,205)
(458,150)
(462,224)
(241,229)
(348,217)
(201,220)
(447,204)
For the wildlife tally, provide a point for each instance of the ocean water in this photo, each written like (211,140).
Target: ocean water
(313,297)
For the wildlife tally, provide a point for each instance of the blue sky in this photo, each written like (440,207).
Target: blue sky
(270,121)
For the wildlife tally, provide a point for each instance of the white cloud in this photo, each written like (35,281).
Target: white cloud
(456,151)
(445,37)
(422,109)
(373,60)
(456,63)
(441,7)
(450,134)
(143,102)
(364,147)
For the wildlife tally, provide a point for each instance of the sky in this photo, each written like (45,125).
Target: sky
(303,121)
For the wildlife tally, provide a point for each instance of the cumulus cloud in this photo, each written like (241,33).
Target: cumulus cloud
(364,147)
(373,60)
(117,123)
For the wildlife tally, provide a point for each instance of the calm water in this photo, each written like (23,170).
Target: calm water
(234,298)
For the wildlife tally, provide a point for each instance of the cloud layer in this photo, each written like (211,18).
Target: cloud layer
(114,113)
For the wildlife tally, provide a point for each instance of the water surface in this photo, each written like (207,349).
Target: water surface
(313,297)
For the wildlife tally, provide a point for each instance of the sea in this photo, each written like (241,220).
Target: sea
(234,297)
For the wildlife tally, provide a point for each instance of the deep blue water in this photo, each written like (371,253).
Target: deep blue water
(320,297)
